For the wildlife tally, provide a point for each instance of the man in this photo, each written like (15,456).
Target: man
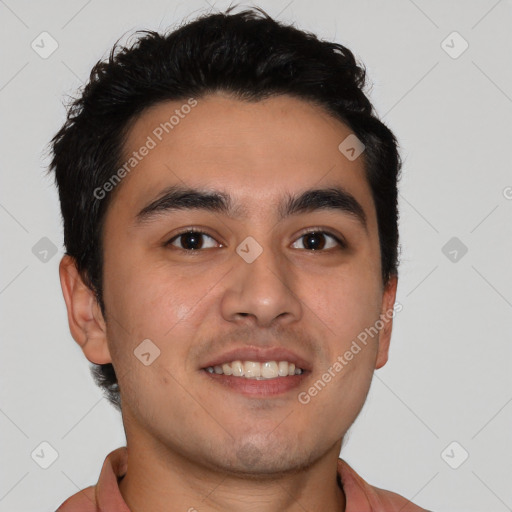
(230,221)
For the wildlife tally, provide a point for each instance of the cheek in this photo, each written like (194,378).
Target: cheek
(148,301)
(151,304)
(344,305)
(163,306)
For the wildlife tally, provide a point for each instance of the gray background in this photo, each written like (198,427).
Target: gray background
(448,378)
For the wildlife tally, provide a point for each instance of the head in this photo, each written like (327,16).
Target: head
(239,128)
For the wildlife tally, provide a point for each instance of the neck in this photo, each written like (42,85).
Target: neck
(159,479)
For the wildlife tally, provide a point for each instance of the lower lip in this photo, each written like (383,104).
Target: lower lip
(258,388)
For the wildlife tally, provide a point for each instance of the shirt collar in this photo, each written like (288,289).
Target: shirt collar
(108,495)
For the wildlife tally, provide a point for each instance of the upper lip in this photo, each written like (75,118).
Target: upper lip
(259,354)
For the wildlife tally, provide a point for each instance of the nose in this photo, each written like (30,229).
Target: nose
(261,292)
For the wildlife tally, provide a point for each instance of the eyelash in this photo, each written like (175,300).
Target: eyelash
(341,243)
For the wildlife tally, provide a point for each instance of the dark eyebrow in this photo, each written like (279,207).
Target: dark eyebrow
(332,198)
(178,197)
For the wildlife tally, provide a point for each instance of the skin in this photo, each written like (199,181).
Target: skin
(192,443)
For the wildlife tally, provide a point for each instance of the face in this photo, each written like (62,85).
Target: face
(250,285)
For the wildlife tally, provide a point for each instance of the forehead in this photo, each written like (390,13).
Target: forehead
(256,150)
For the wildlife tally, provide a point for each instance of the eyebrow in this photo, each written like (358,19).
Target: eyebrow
(179,198)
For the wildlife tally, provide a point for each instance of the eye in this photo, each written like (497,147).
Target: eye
(190,240)
(315,240)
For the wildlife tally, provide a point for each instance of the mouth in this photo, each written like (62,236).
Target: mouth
(258,372)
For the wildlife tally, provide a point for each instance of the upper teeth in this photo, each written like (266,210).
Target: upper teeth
(256,370)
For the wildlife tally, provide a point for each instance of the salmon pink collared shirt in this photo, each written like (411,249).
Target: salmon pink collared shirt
(106,497)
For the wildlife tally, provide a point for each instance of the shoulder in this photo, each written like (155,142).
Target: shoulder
(105,495)
(84,501)
(363,497)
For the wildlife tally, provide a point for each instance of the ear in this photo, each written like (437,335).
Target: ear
(85,319)
(388,301)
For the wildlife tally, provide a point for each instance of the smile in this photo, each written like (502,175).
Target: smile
(256,370)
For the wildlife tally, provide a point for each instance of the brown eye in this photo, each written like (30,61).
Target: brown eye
(190,240)
(315,241)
